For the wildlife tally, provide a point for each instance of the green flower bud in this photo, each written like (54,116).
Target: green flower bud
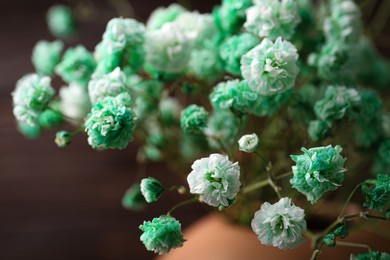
(133,198)
(330,240)
(341,231)
(162,234)
(193,119)
(319,129)
(61,21)
(248,143)
(46,55)
(50,118)
(151,189)
(63,138)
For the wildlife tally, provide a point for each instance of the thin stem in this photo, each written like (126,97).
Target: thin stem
(273,185)
(284,175)
(349,199)
(255,186)
(186,202)
(262,158)
(352,244)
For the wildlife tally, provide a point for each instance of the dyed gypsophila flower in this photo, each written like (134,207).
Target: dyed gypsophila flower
(248,143)
(240,6)
(330,240)
(77,65)
(319,129)
(46,55)
(373,255)
(272,19)
(281,224)
(63,138)
(111,123)
(61,21)
(50,118)
(233,48)
(193,119)
(147,94)
(270,67)
(317,171)
(163,15)
(111,84)
(123,32)
(168,49)
(344,24)
(336,103)
(31,97)
(169,110)
(74,102)
(377,192)
(216,180)
(133,198)
(162,234)
(151,189)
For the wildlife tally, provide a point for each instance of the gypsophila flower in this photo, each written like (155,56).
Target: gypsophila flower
(111,123)
(163,15)
(61,21)
(377,192)
(271,19)
(63,138)
(50,118)
(248,143)
(31,97)
(319,129)
(341,231)
(162,234)
(270,67)
(168,49)
(133,198)
(240,6)
(29,131)
(108,85)
(216,180)
(330,240)
(338,100)
(151,189)
(317,171)
(233,48)
(74,102)
(76,66)
(344,24)
(193,119)
(169,110)
(281,224)
(46,56)
(373,255)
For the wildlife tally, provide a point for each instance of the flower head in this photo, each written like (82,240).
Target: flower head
(151,189)
(330,240)
(271,19)
(233,48)
(61,21)
(74,102)
(248,143)
(377,192)
(270,67)
(31,97)
(373,255)
(193,119)
(168,49)
(111,123)
(111,84)
(46,56)
(163,15)
(133,198)
(63,138)
(317,171)
(162,234)
(281,224)
(76,66)
(215,179)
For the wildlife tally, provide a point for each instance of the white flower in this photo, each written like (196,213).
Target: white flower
(248,143)
(280,225)
(111,84)
(74,102)
(215,179)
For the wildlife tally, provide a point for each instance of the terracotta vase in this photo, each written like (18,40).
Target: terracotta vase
(215,238)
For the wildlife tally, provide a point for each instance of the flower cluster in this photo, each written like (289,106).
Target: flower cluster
(377,192)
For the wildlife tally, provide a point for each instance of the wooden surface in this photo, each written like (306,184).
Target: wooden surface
(64,203)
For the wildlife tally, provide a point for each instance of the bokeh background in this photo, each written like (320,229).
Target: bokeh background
(65,203)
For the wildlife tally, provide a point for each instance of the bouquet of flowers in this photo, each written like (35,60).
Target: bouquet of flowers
(258,102)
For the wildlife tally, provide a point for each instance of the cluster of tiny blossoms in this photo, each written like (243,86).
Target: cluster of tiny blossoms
(190,86)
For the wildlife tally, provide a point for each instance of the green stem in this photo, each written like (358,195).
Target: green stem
(273,185)
(284,175)
(349,199)
(352,244)
(255,186)
(262,158)
(186,202)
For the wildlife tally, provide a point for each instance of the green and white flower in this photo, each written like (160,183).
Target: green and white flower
(74,102)
(46,55)
(193,119)
(248,143)
(61,21)
(272,19)
(317,171)
(133,198)
(377,192)
(281,224)
(163,15)
(111,123)
(162,234)
(270,67)
(151,189)
(63,138)
(216,180)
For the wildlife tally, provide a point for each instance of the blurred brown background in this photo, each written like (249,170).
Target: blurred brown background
(65,203)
